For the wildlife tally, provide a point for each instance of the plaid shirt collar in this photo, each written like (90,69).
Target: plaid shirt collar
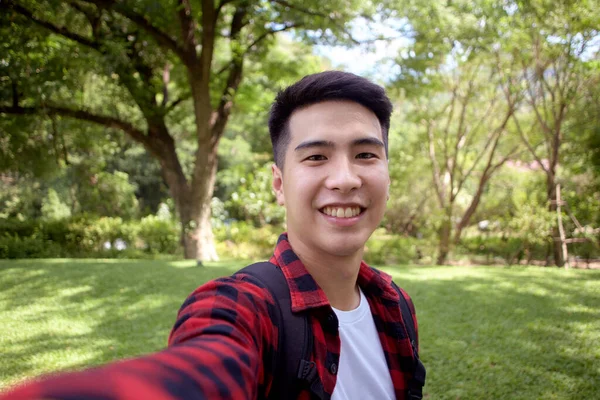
(306,293)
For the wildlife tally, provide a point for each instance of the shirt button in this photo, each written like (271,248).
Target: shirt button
(333,368)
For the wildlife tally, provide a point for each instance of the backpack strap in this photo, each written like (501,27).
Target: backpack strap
(415,385)
(292,368)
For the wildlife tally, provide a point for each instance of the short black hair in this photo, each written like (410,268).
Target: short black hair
(325,86)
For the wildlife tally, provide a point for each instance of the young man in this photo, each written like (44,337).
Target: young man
(329,134)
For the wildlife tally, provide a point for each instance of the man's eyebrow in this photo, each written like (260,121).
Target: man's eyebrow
(368,140)
(314,143)
(325,143)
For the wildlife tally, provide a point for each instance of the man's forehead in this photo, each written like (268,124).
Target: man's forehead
(318,118)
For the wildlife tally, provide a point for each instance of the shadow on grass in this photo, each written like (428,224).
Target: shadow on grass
(79,313)
(503,333)
(486,333)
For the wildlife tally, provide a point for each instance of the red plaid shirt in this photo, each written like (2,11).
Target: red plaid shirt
(222,342)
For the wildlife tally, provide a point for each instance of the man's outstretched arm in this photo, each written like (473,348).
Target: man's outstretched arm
(215,352)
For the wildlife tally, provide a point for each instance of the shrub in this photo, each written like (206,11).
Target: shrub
(158,235)
(386,249)
(239,239)
(28,247)
(85,236)
(508,249)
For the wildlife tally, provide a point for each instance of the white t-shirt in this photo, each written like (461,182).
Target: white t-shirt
(363,373)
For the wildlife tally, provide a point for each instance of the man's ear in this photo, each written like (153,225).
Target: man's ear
(278,184)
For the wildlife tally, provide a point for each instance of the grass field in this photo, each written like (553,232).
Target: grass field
(486,332)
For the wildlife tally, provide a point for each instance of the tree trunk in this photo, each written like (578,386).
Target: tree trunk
(192,201)
(444,237)
(466,218)
(198,243)
(552,205)
(195,214)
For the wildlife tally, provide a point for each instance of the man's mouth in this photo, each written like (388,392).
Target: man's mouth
(342,212)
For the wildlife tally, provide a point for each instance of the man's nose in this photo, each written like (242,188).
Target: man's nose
(343,177)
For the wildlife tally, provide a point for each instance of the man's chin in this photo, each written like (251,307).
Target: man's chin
(345,247)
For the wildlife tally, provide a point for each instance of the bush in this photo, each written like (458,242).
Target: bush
(242,240)
(28,247)
(158,235)
(18,228)
(86,236)
(386,249)
(509,249)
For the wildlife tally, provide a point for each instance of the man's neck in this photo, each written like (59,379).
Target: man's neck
(336,275)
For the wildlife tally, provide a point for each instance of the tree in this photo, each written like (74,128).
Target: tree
(464,127)
(552,42)
(153,58)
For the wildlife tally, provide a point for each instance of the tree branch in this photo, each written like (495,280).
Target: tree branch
(188,28)
(109,122)
(532,102)
(53,28)
(271,32)
(208,37)
(526,141)
(161,37)
(221,115)
(448,120)
(460,133)
(175,103)
(436,168)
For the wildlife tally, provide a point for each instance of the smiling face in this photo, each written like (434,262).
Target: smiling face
(335,178)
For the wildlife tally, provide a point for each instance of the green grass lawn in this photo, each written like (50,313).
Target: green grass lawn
(486,332)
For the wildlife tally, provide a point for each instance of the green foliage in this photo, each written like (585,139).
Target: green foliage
(159,236)
(503,250)
(27,147)
(253,199)
(143,173)
(109,194)
(411,205)
(53,207)
(14,247)
(286,62)
(88,236)
(386,249)
(19,197)
(532,224)
(241,240)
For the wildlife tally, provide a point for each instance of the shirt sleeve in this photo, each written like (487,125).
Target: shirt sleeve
(216,350)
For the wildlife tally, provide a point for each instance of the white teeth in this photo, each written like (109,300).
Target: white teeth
(340,212)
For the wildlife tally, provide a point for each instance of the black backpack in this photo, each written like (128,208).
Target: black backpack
(293,370)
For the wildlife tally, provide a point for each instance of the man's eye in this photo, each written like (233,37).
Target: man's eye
(316,157)
(366,155)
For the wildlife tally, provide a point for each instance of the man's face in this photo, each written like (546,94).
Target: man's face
(335,177)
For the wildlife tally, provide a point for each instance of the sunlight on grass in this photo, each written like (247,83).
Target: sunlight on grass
(509,333)
(485,332)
